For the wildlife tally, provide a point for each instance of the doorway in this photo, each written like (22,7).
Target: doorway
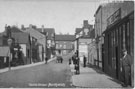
(117,63)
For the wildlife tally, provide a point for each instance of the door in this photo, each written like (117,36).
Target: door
(117,62)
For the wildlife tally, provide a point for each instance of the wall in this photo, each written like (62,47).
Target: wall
(92,53)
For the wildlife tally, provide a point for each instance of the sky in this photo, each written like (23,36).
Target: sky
(62,15)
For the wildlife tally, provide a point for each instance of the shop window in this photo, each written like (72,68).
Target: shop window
(110,49)
(113,50)
(120,40)
(131,27)
(128,38)
(123,36)
(116,34)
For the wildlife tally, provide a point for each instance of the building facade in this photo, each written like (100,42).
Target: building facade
(114,25)
(83,38)
(50,40)
(64,43)
(20,48)
(37,39)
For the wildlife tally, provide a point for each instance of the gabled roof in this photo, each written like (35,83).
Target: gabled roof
(15,29)
(78,30)
(21,37)
(4,50)
(34,33)
(64,37)
(49,30)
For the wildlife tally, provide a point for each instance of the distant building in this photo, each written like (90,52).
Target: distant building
(4,57)
(23,40)
(64,43)
(37,43)
(50,40)
(20,49)
(83,38)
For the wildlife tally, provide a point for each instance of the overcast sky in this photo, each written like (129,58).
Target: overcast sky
(63,15)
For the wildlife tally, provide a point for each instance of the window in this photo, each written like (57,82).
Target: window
(120,40)
(64,46)
(123,36)
(60,45)
(112,48)
(128,38)
(57,46)
(116,34)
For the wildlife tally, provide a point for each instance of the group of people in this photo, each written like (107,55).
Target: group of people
(76,61)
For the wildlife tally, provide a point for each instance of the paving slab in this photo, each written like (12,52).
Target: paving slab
(90,78)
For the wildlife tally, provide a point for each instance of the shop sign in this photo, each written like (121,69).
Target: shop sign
(114,17)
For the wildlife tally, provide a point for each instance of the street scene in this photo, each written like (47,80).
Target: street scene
(67,44)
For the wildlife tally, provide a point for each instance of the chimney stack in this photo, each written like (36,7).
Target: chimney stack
(42,28)
(22,27)
(30,26)
(85,23)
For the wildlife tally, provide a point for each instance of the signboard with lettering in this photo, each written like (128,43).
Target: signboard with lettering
(114,17)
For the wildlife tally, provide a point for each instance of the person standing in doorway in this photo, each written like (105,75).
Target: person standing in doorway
(126,68)
(84,61)
(46,59)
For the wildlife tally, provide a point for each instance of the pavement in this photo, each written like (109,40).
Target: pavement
(93,78)
(24,66)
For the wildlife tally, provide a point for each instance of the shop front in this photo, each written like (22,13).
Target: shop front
(118,36)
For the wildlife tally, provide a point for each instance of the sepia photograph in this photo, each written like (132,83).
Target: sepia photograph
(67,44)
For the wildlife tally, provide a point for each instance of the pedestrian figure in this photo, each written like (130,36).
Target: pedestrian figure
(69,61)
(84,61)
(46,59)
(77,67)
(61,59)
(74,58)
(126,68)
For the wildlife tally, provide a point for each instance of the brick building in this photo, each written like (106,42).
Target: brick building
(50,40)
(64,43)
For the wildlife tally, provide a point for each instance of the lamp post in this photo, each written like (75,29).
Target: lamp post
(46,42)
(9,43)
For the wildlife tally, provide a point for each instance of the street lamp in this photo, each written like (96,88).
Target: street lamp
(46,42)
(9,43)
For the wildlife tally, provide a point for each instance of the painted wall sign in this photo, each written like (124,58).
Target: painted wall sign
(114,17)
